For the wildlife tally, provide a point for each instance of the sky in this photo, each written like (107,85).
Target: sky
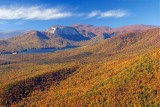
(42,14)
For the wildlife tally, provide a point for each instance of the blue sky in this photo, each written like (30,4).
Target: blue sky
(42,14)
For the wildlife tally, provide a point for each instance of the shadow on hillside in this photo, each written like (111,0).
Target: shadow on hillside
(19,90)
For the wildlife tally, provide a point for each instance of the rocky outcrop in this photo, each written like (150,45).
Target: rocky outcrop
(66,32)
(63,30)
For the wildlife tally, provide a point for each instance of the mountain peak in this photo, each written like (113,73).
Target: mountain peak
(66,32)
(63,30)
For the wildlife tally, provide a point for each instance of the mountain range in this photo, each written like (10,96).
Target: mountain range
(115,71)
(59,37)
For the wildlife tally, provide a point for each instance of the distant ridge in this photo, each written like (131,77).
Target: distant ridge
(10,34)
(65,36)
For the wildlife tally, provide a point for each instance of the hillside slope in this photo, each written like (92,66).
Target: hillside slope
(121,71)
(133,82)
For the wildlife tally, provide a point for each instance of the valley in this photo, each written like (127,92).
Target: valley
(119,71)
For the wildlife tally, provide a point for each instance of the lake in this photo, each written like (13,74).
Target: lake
(43,50)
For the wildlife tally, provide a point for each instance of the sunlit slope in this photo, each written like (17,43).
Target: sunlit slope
(132,41)
(134,82)
(121,71)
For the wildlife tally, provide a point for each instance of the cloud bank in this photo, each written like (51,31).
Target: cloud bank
(33,12)
(43,13)
(111,13)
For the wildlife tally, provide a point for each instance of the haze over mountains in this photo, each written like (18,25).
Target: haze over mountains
(64,36)
(9,34)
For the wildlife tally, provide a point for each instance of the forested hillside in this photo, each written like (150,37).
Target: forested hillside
(120,71)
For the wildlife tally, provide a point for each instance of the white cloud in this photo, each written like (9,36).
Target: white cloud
(44,13)
(94,13)
(32,13)
(114,13)
(111,13)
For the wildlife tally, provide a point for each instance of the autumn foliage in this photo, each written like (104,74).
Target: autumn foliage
(119,72)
